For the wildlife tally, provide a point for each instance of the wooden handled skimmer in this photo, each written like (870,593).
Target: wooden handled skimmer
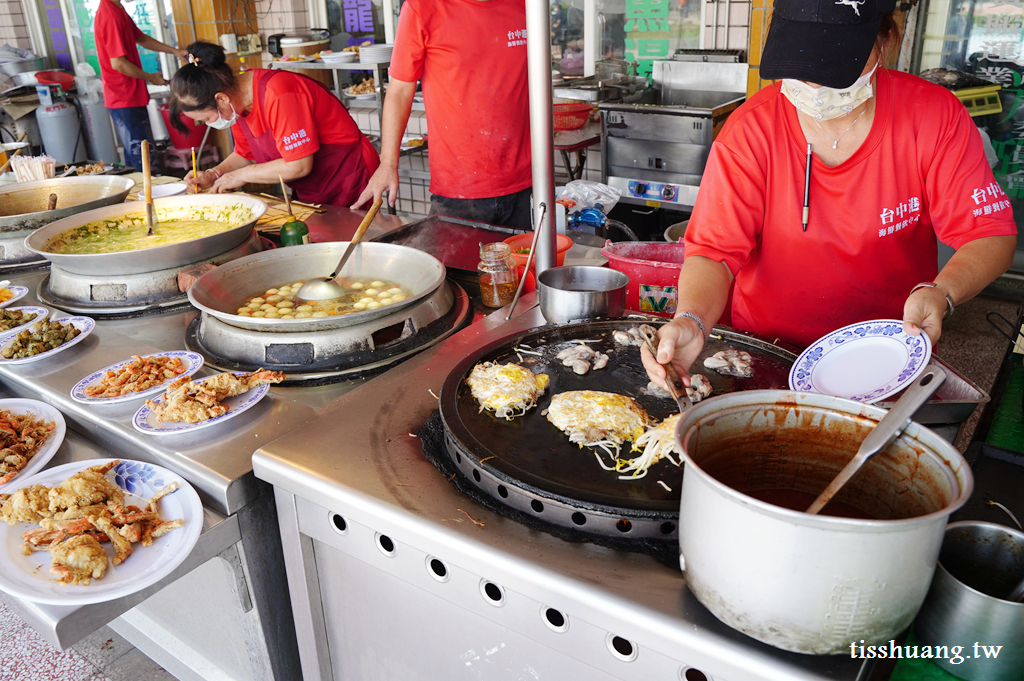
(147,187)
(891,425)
(674,383)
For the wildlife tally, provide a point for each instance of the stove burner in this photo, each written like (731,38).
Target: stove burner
(315,358)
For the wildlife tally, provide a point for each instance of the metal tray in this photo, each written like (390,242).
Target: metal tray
(530,455)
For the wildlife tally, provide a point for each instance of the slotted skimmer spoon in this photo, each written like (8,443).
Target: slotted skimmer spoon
(327,288)
(891,425)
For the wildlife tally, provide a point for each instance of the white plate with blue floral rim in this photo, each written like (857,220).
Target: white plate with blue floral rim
(19,293)
(866,361)
(192,361)
(40,312)
(145,420)
(29,576)
(83,324)
(40,410)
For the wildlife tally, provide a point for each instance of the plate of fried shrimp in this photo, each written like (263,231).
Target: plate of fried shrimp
(96,530)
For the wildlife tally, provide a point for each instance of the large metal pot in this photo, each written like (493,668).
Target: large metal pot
(244,212)
(23,205)
(810,583)
(220,292)
(581,292)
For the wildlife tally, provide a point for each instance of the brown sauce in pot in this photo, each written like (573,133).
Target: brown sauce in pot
(799,501)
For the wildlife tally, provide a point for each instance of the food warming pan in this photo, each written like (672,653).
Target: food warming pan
(244,211)
(23,205)
(221,292)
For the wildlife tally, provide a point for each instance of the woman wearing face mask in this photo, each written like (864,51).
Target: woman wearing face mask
(894,162)
(323,157)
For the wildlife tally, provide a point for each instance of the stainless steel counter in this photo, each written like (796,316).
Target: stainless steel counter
(366,519)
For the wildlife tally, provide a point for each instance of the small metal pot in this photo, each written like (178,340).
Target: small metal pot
(810,583)
(581,292)
(979,565)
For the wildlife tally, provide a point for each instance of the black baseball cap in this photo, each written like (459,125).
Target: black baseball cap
(827,42)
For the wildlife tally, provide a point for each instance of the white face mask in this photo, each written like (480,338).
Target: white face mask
(224,123)
(826,103)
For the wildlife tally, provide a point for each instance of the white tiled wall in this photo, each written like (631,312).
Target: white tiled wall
(13,28)
(413,195)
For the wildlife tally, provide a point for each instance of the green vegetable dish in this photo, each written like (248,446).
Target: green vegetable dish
(131,232)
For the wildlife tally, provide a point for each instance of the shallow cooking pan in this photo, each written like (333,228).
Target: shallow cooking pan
(221,292)
(239,210)
(23,205)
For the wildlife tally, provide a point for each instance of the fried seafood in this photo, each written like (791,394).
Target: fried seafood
(191,402)
(6,294)
(21,436)
(700,387)
(597,419)
(630,336)
(509,390)
(141,373)
(364,88)
(79,514)
(581,358)
(10,319)
(730,363)
(42,337)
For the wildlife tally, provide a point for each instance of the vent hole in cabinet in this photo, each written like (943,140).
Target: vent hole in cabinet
(386,546)
(502,492)
(668,528)
(623,526)
(339,524)
(537,506)
(476,475)
(692,674)
(458,457)
(621,648)
(493,593)
(579,519)
(438,570)
(555,620)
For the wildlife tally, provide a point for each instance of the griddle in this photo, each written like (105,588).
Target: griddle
(453,241)
(531,464)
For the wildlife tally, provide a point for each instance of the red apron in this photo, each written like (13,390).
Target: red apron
(340,171)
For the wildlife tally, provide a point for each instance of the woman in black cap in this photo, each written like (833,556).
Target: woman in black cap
(825,191)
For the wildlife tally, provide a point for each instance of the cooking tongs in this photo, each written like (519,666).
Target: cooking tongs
(675,384)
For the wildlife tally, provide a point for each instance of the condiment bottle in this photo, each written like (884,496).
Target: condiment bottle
(294,233)
(497,273)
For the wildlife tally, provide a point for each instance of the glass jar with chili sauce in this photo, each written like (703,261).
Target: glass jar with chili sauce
(497,274)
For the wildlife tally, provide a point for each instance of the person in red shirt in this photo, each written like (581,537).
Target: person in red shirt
(894,163)
(284,124)
(471,58)
(124,81)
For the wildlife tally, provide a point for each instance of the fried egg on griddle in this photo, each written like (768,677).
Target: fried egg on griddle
(509,390)
(597,419)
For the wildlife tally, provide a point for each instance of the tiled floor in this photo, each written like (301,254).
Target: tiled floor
(968,344)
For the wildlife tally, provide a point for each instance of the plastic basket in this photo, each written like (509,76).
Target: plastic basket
(981,100)
(571,116)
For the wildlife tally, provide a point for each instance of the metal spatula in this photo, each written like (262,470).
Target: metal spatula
(891,425)
(675,384)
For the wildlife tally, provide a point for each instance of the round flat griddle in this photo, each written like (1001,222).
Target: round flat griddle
(529,461)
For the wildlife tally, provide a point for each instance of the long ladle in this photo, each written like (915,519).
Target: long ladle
(891,425)
(327,288)
(147,186)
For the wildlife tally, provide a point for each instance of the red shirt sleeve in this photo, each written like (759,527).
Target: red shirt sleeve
(963,198)
(410,46)
(241,143)
(289,116)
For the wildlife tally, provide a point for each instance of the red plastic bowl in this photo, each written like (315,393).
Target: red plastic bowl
(525,240)
(65,80)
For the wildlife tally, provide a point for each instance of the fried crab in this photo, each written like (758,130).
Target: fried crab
(191,402)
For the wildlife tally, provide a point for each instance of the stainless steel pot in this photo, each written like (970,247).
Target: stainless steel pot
(244,211)
(979,565)
(810,583)
(221,292)
(581,292)
(23,205)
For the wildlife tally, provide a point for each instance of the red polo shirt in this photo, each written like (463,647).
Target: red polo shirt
(116,34)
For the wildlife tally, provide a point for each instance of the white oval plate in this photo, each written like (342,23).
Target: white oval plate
(43,454)
(84,324)
(42,313)
(145,420)
(368,95)
(866,361)
(193,362)
(19,293)
(29,577)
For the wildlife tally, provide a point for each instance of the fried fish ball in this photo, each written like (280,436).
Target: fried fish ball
(303,315)
(372,306)
(366,299)
(320,314)
(259,313)
(271,291)
(378,284)
(244,310)
(395,299)
(357,286)
(297,285)
(394,289)
(359,306)
(257,299)
(271,315)
(274,299)
(285,304)
(304,308)
(371,292)
(266,307)
(287,316)
(385,301)
(254,305)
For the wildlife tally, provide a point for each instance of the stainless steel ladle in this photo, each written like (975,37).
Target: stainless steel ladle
(327,288)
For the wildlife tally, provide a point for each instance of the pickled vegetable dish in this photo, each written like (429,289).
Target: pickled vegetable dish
(361,293)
